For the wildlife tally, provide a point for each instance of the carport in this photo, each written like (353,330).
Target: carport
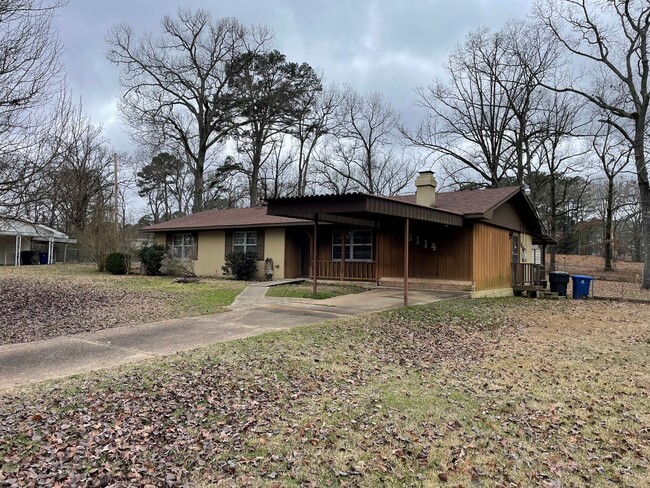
(19,235)
(361,210)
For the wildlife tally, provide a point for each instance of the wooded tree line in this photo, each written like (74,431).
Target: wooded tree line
(556,103)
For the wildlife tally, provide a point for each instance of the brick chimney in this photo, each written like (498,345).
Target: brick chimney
(425,189)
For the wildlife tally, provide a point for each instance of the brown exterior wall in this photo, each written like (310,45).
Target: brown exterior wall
(293,252)
(450,260)
(491,257)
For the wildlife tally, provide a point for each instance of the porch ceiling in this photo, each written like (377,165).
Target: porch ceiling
(358,209)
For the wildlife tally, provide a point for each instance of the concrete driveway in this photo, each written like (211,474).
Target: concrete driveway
(252,313)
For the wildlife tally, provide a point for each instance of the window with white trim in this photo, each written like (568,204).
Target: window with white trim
(244,241)
(183,246)
(358,245)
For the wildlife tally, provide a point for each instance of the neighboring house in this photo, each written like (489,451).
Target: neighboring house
(480,240)
(19,241)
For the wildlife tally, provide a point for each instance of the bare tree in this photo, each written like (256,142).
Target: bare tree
(78,175)
(33,106)
(361,154)
(467,118)
(558,192)
(484,116)
(277,177)
(614,154)
(314,121)
(631,228)
(611,38)
(30,67)
(176,86)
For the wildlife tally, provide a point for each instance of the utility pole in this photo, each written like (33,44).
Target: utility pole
(116,213)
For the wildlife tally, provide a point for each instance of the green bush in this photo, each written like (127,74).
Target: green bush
(117,263)
(242,265)
(151,258)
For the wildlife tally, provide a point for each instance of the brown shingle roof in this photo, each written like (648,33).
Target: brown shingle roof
(468,202)
(225,218)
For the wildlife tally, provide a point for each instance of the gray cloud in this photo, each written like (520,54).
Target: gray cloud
(389,46)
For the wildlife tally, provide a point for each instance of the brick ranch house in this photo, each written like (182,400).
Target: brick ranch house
(489,242)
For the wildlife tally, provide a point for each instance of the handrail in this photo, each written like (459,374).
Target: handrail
(528,274)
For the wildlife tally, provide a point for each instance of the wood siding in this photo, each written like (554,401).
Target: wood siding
(450,260)
(292,252)
(491,257)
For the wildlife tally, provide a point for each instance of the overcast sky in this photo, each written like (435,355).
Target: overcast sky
(390,46)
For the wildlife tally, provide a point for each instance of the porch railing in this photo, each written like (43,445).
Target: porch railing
(528,274)
(354,270)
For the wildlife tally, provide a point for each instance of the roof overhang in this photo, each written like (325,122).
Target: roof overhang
(358,209)
(36,232)
(196,228)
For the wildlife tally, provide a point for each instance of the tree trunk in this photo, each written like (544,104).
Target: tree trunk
(197,204)
(644,200)
(644,192)
(553,226)
(608,224)
(255,178)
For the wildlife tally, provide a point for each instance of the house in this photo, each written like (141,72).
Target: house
(479,240)
(20,240)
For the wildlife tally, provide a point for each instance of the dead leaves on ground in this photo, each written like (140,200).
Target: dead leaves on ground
(456,393)
(34,308)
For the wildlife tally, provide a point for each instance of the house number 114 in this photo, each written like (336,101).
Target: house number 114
(425,242)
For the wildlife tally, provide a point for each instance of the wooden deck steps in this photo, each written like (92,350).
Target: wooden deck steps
(542,295)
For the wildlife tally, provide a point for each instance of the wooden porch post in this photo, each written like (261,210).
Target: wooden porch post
(344,236)
(406,262)
(314,265)
(376,255)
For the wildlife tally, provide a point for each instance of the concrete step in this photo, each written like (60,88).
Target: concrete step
(428,284)
(550,295)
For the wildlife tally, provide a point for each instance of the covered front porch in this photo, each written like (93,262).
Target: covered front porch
(360,237)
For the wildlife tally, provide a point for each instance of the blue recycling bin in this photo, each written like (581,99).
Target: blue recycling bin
(581,286)
(42,257)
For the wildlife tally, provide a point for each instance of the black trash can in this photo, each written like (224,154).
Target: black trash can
(559,281)
(27,257)
(42,257)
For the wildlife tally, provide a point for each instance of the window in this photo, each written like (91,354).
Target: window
(358,245)
(244,241)
(184,246)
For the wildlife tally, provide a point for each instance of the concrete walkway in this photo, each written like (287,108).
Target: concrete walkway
(251,313)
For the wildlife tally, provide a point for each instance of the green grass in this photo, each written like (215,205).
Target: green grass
(211,295)
(460,393)
(305,291)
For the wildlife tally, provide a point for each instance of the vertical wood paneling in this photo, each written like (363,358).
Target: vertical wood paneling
(451,259)
(491,252)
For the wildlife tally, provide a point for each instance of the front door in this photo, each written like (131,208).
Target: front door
(515,257)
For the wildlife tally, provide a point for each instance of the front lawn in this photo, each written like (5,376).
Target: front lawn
(304,290)
(461,393)
(41,302)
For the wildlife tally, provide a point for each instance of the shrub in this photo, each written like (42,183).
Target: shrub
(242,265)
(172,266)
(151,259)
(117,263)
